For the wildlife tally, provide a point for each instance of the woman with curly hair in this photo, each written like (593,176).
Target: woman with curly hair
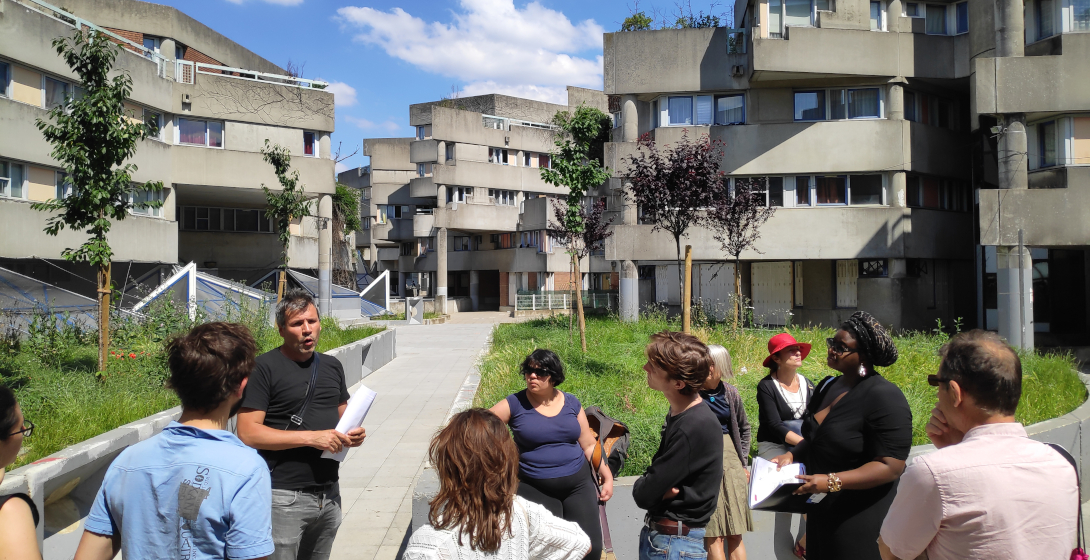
(856,439)
(476,513)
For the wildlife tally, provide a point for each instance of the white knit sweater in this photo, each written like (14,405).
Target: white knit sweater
(536,534)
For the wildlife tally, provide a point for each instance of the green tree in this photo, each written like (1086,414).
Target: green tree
(638,21)
(284,206)
(346,221)
(92,138)
(578,166)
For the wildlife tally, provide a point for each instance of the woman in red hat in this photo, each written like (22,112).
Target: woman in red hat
(782,399)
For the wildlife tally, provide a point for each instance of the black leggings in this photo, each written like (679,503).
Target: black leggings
(573,498)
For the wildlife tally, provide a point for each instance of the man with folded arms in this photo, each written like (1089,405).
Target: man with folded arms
(194,491)
(989,491)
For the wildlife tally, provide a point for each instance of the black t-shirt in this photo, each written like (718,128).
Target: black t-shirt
(278,386)
(689,458)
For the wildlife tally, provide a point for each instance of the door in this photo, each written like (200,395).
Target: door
(772,288)
(714,288)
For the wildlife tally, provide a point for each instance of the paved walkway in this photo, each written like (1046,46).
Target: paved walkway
(415,393)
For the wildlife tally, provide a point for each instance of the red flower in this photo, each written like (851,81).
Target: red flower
(133,355)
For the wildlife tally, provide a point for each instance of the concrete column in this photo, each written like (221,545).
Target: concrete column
(629,214)
(1015,326)
(896,104)
(475,289)
(1010,28)
(630,119)
(1013,152)
(325,253)
(520,158)
(441,158)
(629,293)
(441,270)
(441,201)
(896,197)
(166,49)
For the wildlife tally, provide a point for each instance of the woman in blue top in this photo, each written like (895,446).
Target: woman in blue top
(555,444)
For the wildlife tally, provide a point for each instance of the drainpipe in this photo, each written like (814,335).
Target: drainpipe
(325,253)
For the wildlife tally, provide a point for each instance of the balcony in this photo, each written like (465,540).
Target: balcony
(477,217)
(424,151)
(493,176)
(423,187)
(214,167)
(423,225)
(389,253)
(536,214)
(401,229)
(673,60)
(1052,213)
(1042,84)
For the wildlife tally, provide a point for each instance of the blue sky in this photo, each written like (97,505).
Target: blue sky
(383,55)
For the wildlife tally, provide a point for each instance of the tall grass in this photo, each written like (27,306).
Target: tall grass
(610,375)
(54,372)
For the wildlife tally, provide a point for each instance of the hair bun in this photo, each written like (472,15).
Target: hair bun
(874,340)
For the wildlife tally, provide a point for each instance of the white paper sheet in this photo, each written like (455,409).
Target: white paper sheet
(766,479)
(353,416)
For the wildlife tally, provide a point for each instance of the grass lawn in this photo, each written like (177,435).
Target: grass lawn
(58,389)
(610,375)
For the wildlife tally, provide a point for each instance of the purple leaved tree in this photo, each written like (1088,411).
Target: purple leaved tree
(737,221)
(677,188)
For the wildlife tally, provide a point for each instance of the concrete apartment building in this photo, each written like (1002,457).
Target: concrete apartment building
(215,103)
(460,210)
(869,123)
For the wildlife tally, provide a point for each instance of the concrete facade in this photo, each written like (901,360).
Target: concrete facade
(213,204)
(896,96)
(461,209)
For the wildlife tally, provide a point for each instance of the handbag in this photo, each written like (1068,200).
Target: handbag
(612,447)
(1079,553)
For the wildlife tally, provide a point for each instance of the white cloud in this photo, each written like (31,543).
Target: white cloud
(490,44)
(366,124)
(549,94)
(344,95)
(341,167)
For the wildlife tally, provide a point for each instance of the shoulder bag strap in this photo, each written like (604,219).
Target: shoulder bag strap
(1078,484)
(297,419)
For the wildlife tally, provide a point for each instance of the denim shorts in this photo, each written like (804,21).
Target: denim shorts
(660,546)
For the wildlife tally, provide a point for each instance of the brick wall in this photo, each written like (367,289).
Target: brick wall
(503,288)
(614,280)
(134,36)
(531,282)
(561,281)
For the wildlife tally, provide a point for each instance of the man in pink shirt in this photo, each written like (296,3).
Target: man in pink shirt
(989,492)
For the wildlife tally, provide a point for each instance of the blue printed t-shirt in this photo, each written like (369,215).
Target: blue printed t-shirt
(548,446)
(187,494)
(717,401)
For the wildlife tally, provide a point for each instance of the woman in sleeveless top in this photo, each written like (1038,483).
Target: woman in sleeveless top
(857,437)
(18,515)
(555,444)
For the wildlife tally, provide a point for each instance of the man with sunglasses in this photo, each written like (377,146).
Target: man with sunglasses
(989,491)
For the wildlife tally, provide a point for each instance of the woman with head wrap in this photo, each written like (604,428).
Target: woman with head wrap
(857,437)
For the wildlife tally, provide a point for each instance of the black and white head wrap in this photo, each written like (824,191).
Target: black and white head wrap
(874,341)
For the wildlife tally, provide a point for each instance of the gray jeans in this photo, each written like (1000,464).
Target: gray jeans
(304,524)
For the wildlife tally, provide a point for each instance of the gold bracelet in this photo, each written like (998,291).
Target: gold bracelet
(834,482)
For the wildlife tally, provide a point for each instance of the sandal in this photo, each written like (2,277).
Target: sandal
(800,551)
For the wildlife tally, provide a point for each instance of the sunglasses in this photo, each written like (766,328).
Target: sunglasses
(838,347)
(28,428)
(934,380)
(541,373)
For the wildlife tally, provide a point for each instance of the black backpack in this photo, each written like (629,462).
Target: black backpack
(613,440)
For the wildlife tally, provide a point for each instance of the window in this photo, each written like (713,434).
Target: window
(873,268)
(240,220)
(912,191)
(938,194)
(798,13)
(936,19)
(423,170)
(459,194)
(865,189)
(393,211)
(544,160)
(731,109)
(497,155)
(681,110)
(310,144)
(152,44)
(809,105)
(802,191)
(420,133)
(1045,18)
(962,17)
(462,243)
(504,197)
(831,189)
(1046,144)
(912,9)
(910,107)
(450,152)
(55,92)
(775,19)
(864,104)
(775,191)
(139,198)
(704,109)
(63,185)
(381,218)
(877,19)
(1080,15)
(11,180)
(526,159)
(200,133)
(407,249)
(155,119)
(847,283)
(5,79)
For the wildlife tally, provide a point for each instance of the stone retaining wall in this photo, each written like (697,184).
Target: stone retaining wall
(63,485)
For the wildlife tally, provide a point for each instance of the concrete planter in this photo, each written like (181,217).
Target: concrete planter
(64,484)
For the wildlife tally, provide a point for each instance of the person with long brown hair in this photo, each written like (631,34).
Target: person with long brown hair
(476,513)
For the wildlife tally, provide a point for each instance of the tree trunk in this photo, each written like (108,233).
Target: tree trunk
(680,273)
(579,303)
(687,292)
(280,284)
(737,291)
(103,315)
(571,268)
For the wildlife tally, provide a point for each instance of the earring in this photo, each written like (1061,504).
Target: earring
(862,371)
